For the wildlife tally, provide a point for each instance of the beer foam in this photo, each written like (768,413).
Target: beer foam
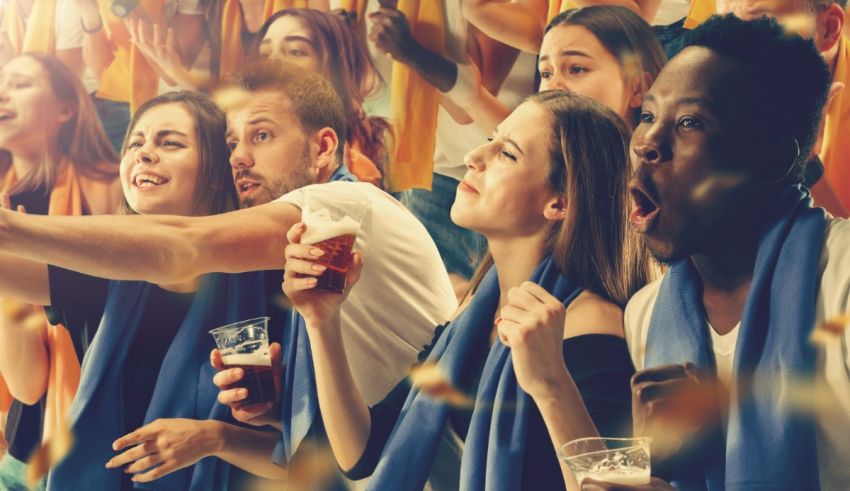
(625,477)
(257,359)
(321,227)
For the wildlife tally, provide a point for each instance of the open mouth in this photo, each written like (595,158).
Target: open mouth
(645,211)
(147,180)
(245,186)
(6,115)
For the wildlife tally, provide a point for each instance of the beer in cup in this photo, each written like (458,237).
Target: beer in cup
(333,219)
(245,345)
(616,460)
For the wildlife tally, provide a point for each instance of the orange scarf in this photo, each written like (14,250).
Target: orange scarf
(699,12)
(33,34)
(835,152)
(129,77)
(555,8)
(232,24)
(415,102)
(362,166)
(64,371)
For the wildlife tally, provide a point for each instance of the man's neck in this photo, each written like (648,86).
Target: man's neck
(726,277)
(831,58)
(327,173)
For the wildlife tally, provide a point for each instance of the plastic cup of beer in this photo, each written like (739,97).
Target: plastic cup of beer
(245,345)
(333,219)
(615,460)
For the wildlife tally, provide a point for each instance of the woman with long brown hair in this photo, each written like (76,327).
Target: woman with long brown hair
(144,379)
(605,52)
(537,350)
(54,159)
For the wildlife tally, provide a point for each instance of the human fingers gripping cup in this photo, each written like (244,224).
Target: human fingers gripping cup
(332,220)
(245,345)
(623,461)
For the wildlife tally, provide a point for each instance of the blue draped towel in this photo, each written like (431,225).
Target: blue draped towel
(299,402)
(184,388)
(495,443)
(767,446)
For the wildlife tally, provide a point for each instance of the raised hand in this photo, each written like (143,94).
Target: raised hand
(300,277)
(672,403)
(391,33)
(263,414)
(532,325)
(157,44)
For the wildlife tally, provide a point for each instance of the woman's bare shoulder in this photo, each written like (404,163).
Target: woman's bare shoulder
(590,313)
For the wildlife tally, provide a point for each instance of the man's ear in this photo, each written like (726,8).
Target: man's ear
(776,158)
(325,142)
(830,24)
(556,208)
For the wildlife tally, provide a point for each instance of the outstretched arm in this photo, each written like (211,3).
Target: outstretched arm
(157,249)
(391,34)
(472,97)
(517,23)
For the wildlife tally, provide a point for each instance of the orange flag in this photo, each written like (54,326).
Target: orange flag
(415,102)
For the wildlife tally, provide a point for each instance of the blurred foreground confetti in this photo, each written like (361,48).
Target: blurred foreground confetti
(430,378)
(715,184)
(25,316)
(50,453)
(312,467)
(230,97)
(831,330)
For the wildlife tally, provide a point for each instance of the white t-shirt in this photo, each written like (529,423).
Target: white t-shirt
(68,32)
(403,292)
(724,351)
(833,373)
(670,11)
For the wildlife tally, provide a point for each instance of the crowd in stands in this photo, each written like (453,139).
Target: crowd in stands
(583,219)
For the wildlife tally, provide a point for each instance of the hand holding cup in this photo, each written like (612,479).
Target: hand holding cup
(301,277)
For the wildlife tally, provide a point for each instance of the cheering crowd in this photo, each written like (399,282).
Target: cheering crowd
(575,219)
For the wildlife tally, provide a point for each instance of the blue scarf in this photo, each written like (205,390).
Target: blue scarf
(184,388)
(768,446)
(299,402)
(494,447)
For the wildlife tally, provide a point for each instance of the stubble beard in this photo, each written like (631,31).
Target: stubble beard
(296,177)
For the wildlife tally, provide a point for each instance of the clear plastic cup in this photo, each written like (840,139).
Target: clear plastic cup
(616,460)
(333,220)
(245,345)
